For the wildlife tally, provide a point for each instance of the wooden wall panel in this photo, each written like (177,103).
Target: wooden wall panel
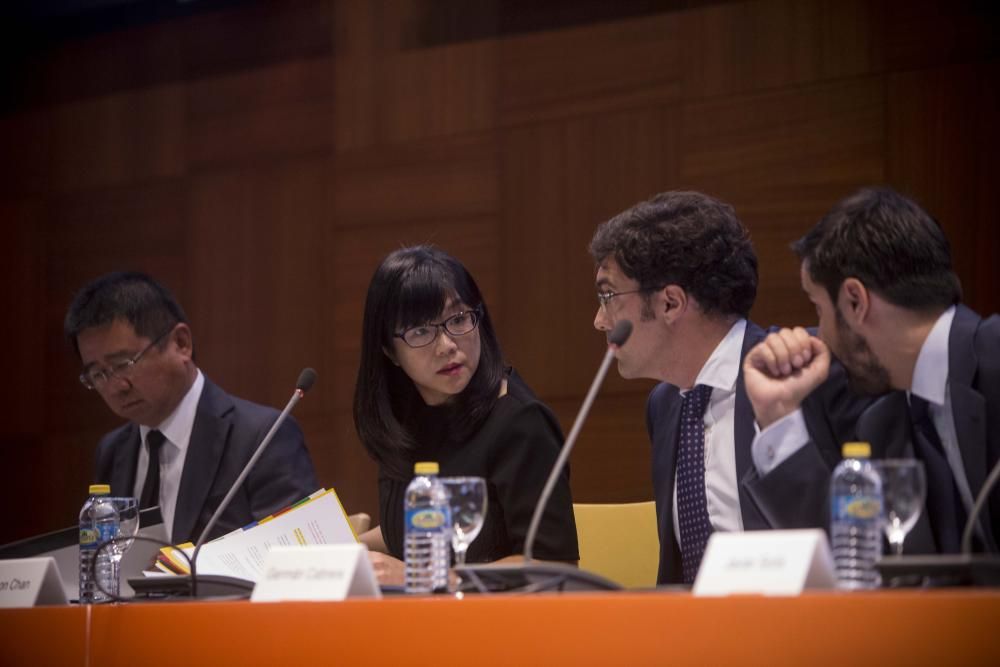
(560,181)
(611,461)
(411,95)
(600,68)
(428,180)
(744,46)
(262,158)
(267,113)
(782,159)
(256,260)
(934,116)
(119,139)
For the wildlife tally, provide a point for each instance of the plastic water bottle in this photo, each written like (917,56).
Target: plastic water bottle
(856,518)
(98,523)
(428,532)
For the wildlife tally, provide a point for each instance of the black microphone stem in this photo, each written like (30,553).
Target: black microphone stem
(536,518)
(306,379)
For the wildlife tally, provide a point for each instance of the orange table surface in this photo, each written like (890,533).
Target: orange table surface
(887,628)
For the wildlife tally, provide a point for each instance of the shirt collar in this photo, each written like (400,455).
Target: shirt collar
(178,426)
(723,366)
(930,374)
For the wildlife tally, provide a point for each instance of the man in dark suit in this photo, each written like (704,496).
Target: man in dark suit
(187,440)
(878,268)
(681,268)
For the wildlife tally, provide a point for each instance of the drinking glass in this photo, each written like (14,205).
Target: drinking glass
(468,510)
(904,488)
(128,526)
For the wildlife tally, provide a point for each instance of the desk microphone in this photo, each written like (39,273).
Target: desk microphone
(528,576)
(306,379)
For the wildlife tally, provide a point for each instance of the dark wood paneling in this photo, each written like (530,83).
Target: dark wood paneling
(743,46)
(782,159)
(936,118)
(560,181)
(261,159)
(591,69)
(266,113)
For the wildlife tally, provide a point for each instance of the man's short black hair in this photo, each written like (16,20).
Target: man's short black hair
(687,239)
(128,296)
(888,243)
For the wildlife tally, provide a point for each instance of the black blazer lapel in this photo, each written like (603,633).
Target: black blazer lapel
(209,438)
(126,459)
(968,406)
(743,435)
(663,414)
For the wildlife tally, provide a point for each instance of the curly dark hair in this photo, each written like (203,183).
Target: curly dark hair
(686,239)
(888,243)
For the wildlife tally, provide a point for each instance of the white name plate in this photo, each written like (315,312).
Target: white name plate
(768,562)
(27,582)
(320,572)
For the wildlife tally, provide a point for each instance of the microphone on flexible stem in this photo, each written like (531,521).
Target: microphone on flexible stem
(306,380)
(616,339)
(543,576)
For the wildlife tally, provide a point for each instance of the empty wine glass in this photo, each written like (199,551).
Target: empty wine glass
(468,510)
(904,488)
(128,526)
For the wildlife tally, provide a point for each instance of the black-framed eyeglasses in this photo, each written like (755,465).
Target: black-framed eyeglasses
(92,379)
(458,324)
(604,298)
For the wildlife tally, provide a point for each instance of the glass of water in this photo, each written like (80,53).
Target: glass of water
(468,510)
(128,526)
(904,488)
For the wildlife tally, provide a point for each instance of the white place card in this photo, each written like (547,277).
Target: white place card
(28,582)
(320,572)
(768,562)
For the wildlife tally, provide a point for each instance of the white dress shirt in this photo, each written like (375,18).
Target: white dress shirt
(176,430)
(721,485)
(930,381)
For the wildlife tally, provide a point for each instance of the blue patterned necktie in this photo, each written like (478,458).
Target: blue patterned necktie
(692,504)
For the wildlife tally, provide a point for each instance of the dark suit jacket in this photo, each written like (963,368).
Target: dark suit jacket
(226,432)
(775,501)
(974,382)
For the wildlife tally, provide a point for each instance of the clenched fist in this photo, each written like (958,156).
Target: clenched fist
(782,370)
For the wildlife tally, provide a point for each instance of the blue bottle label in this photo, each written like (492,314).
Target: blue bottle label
(857,508)
(426,519)
(88,538)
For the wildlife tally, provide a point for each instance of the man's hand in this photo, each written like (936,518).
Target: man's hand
(782,370)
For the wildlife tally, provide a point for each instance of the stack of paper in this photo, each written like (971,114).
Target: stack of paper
(318,519)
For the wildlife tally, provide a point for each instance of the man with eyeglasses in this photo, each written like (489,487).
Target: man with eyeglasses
(186,439)
(681,268)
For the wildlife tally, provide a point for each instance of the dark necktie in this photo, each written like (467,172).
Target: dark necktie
(944,506)
(151,487)
(692,504)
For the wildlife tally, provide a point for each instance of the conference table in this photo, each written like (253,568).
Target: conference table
(913,627)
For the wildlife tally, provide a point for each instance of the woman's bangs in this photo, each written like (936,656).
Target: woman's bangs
(423,294)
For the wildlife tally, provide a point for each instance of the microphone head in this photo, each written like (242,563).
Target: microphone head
(620,333)
(307,377)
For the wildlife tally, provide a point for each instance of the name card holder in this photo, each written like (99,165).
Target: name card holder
(29,582)
(767,562)
(316,573)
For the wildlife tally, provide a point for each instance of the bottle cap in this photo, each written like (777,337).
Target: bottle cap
(426,468)
(857,450)
(100,489)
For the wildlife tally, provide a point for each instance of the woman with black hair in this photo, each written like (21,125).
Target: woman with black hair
(432,386)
